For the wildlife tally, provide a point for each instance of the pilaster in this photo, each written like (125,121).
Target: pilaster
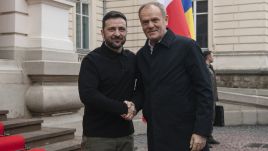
(51,62)
(13,42)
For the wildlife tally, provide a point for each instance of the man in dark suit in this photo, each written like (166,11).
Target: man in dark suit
(208,55)
(173,87)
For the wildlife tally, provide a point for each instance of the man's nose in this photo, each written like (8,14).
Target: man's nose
(150,24)
(117,32)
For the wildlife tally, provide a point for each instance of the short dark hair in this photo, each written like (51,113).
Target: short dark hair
(157,4)
(112,14)
(206,53)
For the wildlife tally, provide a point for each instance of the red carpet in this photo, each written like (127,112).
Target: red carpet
(12,143)
(1,129)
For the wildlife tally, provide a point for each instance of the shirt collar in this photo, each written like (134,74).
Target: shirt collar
(166,40)
(109,52)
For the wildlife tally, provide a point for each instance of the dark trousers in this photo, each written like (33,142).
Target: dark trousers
(107,144)
(213,119)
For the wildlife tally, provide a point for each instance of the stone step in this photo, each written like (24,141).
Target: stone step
(243,99)
(47,136)
(68,145)
(16,126)
(3,115)
(244,106)
(237,114)
(246,91)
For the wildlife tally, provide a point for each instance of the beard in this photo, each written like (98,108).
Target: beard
(114,45)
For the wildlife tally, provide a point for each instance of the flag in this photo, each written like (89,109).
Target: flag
(180,16)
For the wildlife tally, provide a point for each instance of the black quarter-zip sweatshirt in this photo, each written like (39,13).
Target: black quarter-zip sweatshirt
(106,79)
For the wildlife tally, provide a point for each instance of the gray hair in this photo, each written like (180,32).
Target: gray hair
(157,4)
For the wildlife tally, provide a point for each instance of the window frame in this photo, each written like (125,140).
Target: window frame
(195,14)
(82,49)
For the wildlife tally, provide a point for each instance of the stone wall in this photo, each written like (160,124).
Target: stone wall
(242,80)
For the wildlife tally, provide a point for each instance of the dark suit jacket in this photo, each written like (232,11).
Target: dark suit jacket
(175,93)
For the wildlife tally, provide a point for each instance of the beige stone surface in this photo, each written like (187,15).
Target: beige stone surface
(249,117)
(41,67)
(233,118)
(12,99)
(262,117)
(67,120)
(53,98)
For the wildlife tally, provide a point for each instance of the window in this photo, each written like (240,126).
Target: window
(200,12)
(82,25)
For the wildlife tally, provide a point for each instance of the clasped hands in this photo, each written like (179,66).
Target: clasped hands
(131,111)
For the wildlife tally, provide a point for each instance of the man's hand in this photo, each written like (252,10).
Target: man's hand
(197,142)
(131,111)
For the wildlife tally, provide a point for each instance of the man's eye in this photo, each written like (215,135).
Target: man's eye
(155,20)
(122,29)
(145,23)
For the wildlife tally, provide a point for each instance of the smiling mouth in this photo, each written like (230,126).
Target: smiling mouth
(117,42)
(152,31)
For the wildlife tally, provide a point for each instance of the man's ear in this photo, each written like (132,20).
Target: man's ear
(102,34)
(166,19)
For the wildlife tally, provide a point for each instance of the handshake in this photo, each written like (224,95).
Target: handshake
(131,111)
